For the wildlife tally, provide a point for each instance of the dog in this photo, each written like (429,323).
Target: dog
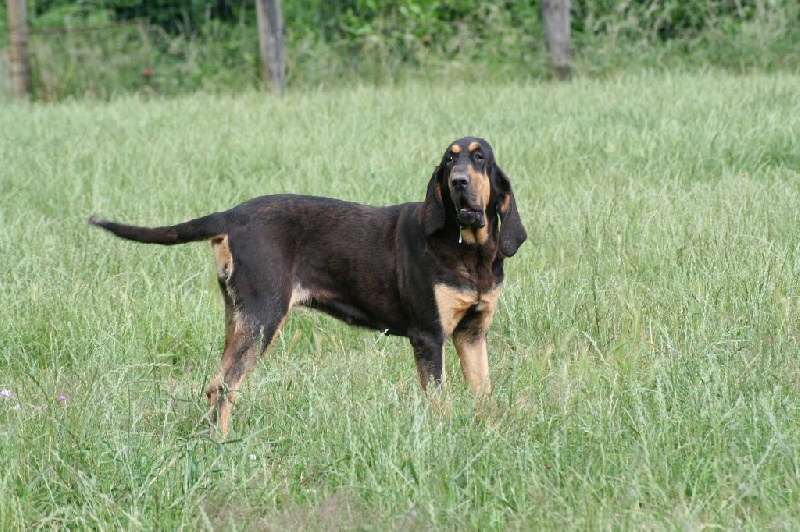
(425,271)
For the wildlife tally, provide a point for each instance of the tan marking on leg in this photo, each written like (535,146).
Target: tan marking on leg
(222,393)
(235,335)
(230,314)
(222,256)
(218,391)
(471,345)
(474,358)
(243,347)
(225,405)
(489,301)
(223,408)
(213,388)
(212,392)
(452,305)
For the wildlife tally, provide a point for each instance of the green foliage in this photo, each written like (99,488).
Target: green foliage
(672,19)
(644,353)
(3,26)
(173,16)
(191,45)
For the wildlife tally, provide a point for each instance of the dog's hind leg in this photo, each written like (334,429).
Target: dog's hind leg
(215,387)
(252,322)
(247,338)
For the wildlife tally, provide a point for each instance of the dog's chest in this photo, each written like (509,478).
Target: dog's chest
(455,303)
(475,272)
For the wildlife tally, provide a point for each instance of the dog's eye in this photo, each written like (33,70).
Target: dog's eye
(478,157)
(450,158)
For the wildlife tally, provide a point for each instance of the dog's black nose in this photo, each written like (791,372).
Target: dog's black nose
(460,182)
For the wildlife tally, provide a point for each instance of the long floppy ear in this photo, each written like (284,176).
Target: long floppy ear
(433,215)
(512,233)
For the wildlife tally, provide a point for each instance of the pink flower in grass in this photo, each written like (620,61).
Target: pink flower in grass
(61,398)
(5,392)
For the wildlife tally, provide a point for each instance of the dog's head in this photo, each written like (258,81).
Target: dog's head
(470,190)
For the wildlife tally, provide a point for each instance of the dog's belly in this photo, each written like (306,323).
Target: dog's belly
(358,316)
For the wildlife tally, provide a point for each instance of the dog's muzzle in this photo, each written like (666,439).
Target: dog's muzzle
(469,217)
(466,214)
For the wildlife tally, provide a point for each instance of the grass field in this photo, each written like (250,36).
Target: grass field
(644,354)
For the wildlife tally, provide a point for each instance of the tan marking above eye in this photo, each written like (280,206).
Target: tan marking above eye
(455,148)
(474,145)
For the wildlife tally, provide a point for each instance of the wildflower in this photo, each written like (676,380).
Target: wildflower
(61,398)
(5,392)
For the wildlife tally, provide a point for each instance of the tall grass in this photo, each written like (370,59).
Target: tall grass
(644,355)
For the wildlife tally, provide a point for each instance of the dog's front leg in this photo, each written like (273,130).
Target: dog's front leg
(469,338)
(429,357)
(474,357)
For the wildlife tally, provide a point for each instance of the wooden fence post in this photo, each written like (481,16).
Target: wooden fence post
(18,47)
(270,43)
(557,36)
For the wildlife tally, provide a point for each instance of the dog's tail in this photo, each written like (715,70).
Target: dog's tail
(192,231)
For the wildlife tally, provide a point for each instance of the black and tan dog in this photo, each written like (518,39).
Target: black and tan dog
(425,271)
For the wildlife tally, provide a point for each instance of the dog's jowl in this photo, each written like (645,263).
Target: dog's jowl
(425,270)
